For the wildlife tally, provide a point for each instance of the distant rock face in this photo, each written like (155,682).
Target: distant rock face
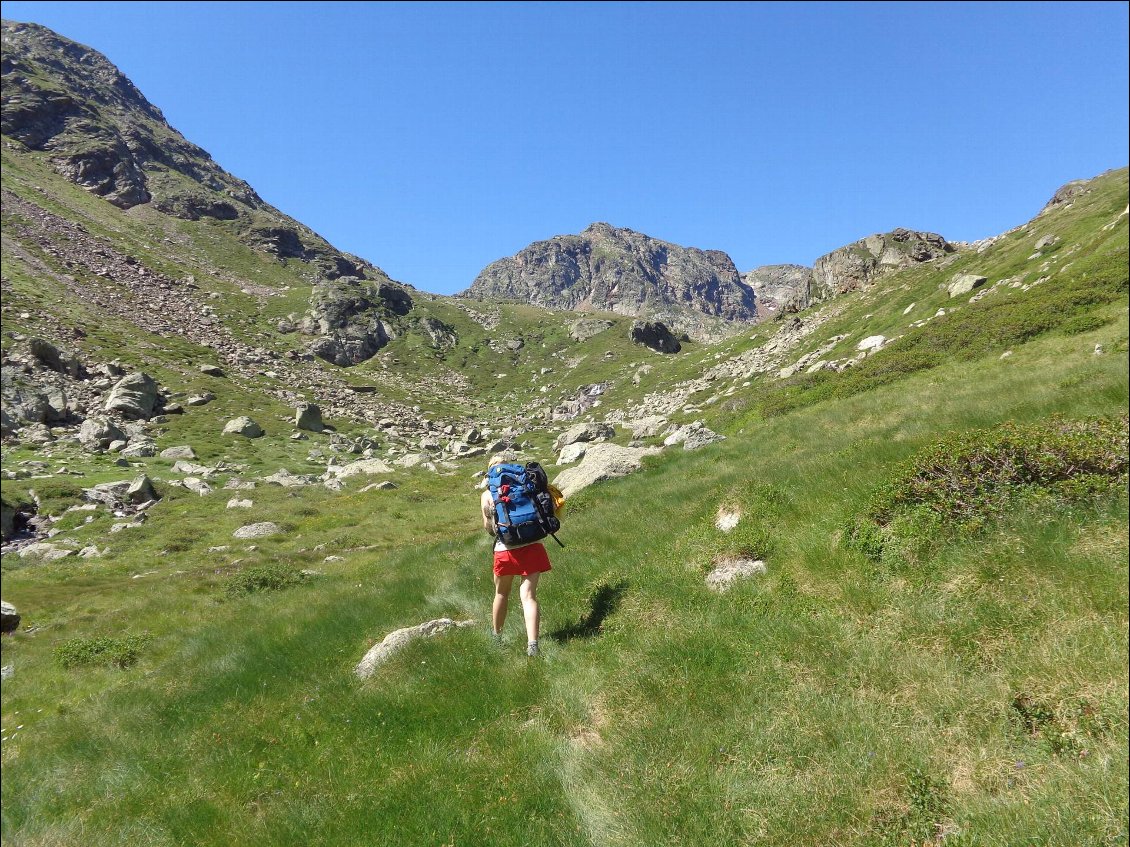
(864,261)
(779,289)
(606,268)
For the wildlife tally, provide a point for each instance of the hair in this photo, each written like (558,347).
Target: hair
(503,458)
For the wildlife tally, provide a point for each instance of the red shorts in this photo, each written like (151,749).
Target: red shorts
(521,561)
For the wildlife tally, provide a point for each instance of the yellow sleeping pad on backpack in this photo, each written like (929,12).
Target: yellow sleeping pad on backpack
(558,500)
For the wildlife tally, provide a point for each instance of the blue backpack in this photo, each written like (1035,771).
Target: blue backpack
(523,506)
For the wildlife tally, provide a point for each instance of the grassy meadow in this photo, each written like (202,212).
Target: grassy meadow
(977,696)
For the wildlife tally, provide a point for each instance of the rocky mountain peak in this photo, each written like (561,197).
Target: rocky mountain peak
(615,269)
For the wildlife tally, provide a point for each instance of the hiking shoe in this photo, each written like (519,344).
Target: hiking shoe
(496,639)
(532,649)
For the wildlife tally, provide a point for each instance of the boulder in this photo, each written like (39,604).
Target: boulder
(647,427)
(692,436)
(584,432)
(134,396)
(112,494)
(211,370)
(193,469)
(45,551)
(572,453)
(46,354)
(22,401)
(586,328)
(141,490)
(601,461)
(872,343)
(729,571)
(387,485)
(411,460)
(98,432)
(257,530)
(244,426)
(181,452)
(7,520)
(140,449)
(398,639)
(309,417)
(964,283)
(9,617)
(363,466)
(196,485)
(286,479)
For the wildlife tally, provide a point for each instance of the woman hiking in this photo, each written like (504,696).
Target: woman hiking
(527,561)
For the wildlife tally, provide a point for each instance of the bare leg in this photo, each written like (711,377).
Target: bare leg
(529,592)
(501,600)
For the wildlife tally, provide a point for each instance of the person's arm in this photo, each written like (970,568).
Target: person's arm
(487,504)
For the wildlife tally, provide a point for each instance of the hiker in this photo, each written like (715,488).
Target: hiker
(527,561)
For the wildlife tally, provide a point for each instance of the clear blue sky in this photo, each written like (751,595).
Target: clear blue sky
(434,138)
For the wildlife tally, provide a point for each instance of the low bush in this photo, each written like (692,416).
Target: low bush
(966,480)
(101,650)
(262,578)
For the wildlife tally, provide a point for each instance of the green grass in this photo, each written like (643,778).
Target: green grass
(825,702)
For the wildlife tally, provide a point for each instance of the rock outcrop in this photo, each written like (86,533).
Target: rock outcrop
(354,318)
(862,262)
(68,101)
(654,335)
(780,289)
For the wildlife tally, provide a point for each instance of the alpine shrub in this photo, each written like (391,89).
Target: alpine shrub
(968,479)
(102,650)
(262,578)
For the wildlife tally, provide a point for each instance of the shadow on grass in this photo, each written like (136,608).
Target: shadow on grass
(603,603)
